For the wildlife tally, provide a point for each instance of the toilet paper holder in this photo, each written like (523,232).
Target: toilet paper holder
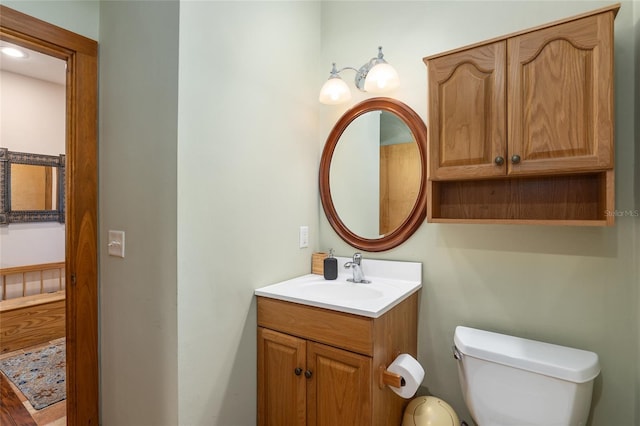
(387,378)
(403,376)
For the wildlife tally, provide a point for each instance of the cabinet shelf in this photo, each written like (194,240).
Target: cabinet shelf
(580,199)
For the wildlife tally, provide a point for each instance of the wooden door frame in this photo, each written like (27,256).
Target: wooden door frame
(81,56)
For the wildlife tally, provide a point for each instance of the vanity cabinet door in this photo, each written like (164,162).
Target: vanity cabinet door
(560,99)
(467,107)
(339,390)
(281,380)
(302,382)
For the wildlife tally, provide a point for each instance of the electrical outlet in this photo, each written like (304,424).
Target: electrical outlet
(304,236)
(116,243)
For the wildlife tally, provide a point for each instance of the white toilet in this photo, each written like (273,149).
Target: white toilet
(510,381)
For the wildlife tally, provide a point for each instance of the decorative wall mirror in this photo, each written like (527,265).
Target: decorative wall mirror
(373,174)
(31,187)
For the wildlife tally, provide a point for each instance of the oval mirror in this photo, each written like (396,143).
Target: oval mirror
(373,174)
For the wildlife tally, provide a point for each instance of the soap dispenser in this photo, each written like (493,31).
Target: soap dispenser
(330,267)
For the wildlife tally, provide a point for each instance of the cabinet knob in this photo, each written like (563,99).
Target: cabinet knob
(499,161)
(515,159)
(308,374)
(298,371)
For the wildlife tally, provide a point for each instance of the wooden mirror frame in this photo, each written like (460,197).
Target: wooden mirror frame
(417,215)
(7,214)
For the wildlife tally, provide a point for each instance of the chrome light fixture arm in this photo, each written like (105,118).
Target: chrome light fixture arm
(335,73)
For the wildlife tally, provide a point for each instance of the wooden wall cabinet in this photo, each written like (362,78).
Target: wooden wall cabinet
(319,367)
(532,111)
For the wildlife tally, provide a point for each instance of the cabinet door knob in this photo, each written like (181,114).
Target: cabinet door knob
(308,374)
(298,371)
(499,161)
(515,159)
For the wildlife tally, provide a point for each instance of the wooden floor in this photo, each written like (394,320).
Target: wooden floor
(16,410)
(12,412)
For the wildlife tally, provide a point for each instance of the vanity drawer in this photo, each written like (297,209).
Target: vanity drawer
(347,331)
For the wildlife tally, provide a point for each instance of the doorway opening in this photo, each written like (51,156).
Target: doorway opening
(79,54)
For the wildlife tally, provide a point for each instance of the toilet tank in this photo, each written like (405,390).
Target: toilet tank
(509,381)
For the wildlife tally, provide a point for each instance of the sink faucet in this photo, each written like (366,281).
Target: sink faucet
(354,265)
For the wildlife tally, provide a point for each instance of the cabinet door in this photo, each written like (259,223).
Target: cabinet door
(339,390)
(560,97)
(467,106)
(281,388)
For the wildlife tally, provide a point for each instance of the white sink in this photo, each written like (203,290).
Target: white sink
(338,290)
(391,283)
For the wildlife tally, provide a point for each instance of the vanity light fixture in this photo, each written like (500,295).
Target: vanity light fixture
(376,76)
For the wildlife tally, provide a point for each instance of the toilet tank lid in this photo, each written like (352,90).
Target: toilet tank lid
(562,362)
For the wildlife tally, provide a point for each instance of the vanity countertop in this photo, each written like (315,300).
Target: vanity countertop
(391,283)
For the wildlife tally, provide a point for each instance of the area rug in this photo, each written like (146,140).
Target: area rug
(40,374)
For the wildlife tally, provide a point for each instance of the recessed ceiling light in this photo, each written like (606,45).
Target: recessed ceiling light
(13,52)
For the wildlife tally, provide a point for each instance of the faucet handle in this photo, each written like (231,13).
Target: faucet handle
(357,257)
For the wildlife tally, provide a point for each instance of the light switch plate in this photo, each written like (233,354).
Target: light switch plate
(304,236)
(116,243)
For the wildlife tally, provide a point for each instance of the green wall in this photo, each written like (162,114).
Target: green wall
(138,194)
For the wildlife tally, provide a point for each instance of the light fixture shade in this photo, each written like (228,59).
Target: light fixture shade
(334,91)
(381,78)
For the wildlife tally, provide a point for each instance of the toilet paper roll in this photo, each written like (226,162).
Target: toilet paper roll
(410,369)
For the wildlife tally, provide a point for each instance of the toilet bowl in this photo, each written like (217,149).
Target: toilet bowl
(511,381)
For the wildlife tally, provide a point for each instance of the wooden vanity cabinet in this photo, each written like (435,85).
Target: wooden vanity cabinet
(319,367)
(519,114)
